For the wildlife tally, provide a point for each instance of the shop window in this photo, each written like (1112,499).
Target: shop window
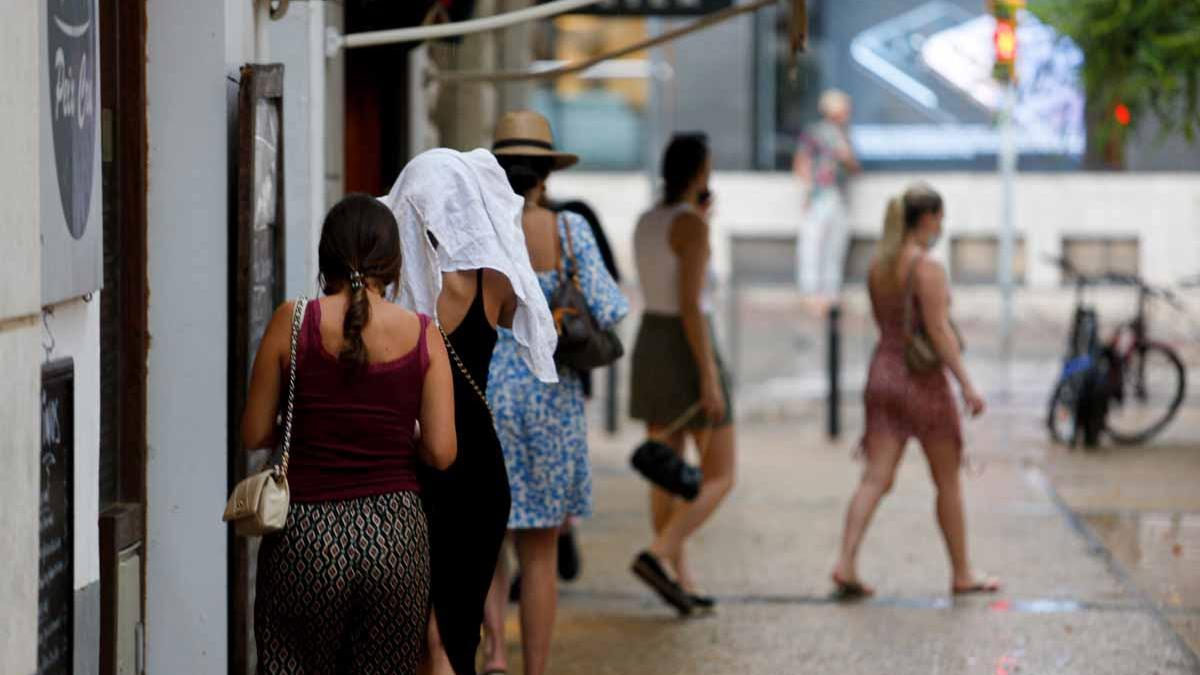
(858,258)
(974,260)
(1097,256)
(599,114)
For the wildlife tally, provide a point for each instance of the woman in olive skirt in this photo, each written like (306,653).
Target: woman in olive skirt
(676,365)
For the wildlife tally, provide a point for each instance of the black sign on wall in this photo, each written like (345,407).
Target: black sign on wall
(69,148)
(56,580)
(71,43)
(656,7)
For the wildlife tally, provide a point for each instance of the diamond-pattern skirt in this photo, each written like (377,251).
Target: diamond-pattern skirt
(344,588)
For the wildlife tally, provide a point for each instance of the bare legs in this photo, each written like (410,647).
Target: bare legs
(537,551)
(436,662)
(495,649)
(944,461)
(675,520)
(883,458)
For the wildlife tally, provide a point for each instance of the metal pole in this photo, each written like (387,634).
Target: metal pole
(835,367)
(610,402)
(1008,170)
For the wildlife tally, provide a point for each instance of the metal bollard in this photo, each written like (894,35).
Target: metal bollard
(610,402)
(835,367)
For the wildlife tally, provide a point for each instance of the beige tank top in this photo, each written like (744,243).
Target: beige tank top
(658,265)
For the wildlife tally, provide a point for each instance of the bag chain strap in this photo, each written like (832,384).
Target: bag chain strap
(297,319)
(462,368)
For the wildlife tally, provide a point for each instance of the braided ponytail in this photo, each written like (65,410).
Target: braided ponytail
(360,243)
(358,313)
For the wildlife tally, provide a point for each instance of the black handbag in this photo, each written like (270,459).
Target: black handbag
(661,465)
(582,343)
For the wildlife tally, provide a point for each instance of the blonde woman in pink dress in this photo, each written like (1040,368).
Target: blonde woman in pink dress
(901,404)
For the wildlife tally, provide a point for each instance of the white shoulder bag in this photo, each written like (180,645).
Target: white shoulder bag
(259,503)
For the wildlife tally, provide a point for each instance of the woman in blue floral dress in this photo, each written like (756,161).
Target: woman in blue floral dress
(541,426)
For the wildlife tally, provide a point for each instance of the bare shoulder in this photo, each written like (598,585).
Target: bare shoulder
(496,282)
(688,228)
(930,271)
(390,312)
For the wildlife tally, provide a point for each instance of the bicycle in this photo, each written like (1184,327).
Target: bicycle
(1142,380)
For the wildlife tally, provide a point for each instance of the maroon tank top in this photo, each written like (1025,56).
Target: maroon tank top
(353,430)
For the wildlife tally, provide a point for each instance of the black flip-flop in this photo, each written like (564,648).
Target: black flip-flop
(647,568)
(702,602)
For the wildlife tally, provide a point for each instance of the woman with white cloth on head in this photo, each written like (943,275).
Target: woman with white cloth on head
(542,427)
(466,264)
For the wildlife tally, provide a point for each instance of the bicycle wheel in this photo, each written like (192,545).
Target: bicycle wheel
(1060,418)
(1148,391)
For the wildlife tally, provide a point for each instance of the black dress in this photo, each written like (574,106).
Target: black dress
(467,505)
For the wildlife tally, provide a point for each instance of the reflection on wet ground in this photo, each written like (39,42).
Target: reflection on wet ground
(1161,552)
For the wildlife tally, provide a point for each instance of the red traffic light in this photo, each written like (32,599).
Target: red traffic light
(1005,40)
(1121,112)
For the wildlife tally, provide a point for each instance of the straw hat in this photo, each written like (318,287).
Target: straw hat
(524,133)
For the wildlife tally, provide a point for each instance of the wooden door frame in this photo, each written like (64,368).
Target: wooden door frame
(123,90)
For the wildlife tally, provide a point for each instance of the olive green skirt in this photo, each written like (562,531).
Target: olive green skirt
(666,381)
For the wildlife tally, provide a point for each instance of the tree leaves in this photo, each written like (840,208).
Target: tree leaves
(1144,54)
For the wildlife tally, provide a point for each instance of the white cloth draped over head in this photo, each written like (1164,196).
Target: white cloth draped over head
(464,199)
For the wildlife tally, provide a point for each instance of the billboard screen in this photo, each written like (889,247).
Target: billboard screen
(920,74)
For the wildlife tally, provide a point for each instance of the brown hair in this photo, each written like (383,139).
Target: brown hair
(903,213)
(360,242)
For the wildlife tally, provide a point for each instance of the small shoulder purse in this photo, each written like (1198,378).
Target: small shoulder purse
(919,353)
(259,503)
(582,343)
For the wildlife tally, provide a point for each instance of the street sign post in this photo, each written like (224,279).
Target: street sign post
(1005,71)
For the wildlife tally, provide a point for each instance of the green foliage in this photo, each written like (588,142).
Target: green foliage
(1143,53)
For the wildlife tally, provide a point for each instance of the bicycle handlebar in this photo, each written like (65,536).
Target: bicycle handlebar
(1126,279)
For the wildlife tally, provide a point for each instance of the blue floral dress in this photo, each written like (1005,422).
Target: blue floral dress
(541,426)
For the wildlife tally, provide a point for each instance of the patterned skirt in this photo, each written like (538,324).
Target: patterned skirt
(344,588)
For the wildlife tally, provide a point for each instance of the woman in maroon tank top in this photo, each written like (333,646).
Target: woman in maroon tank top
(901,404)
(344,587)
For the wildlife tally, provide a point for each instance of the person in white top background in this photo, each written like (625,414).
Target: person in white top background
(676,365)
(824,162)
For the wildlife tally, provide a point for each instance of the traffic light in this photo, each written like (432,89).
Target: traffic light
(1122,114)
(1005,38)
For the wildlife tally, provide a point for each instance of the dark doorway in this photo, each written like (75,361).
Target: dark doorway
(123,324)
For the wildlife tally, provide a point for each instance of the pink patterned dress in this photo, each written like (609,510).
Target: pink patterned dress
(901,404)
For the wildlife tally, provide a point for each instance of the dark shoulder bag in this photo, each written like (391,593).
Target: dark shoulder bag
(582,343)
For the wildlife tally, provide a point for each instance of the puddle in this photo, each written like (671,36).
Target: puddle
(1160,550)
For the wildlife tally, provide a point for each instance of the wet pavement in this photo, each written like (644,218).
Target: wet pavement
(1143,505)
(1069,606)
(1099,551)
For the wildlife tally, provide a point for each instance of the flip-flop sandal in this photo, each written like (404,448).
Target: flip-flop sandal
(985,585)
(647,568)
(851,590)
(704,603)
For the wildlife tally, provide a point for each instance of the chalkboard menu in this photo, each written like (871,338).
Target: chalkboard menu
(56,517)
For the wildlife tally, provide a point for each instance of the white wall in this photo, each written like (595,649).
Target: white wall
(187,203)
(1162,209)
(290,45)
(20,296)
